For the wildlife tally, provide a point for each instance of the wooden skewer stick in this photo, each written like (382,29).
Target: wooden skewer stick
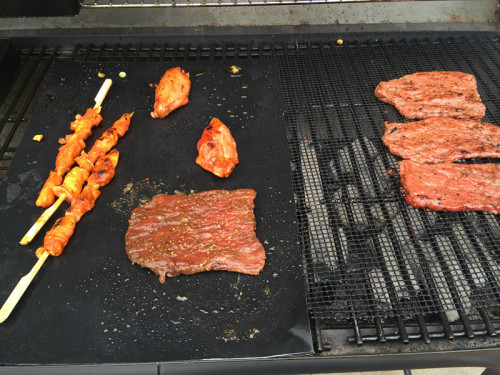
(102,93)
(41,221)
(45,216)
(20,288)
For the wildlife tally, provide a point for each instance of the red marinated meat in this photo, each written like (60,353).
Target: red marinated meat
(433,94)
(171,93)
(451,187)
(217,149)
(187,234)
(442,139)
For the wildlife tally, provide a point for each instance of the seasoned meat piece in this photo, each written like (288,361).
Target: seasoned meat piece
(73,146)
(187,234)
(76,177)
(217,149)
(442,139)
(58,236)
(451,187)
(433,94)
(65,159)
(171,93)
(102,174)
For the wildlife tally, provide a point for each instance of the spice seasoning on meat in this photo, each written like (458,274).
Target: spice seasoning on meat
(433,94)
(451,187)
(442,139)
(187,234)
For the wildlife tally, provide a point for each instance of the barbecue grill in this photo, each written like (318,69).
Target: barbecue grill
(387,286)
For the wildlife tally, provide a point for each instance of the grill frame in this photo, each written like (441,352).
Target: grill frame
(96,4)
(416,333)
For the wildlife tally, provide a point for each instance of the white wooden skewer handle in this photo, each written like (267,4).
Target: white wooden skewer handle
(102,93)
(20,288)
(41,221)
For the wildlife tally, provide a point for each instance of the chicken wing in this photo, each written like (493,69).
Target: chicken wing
(171,93)
(217,149)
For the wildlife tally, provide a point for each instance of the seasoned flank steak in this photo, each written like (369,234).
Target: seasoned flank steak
(451,187)
(442,139)
(187,234)
(433,94)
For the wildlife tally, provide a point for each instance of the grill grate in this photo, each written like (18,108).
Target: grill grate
(370,256)
(373,263)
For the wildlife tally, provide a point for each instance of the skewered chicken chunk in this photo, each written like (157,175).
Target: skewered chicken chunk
(74,180)
(101,175)
(58,236)
(74,144)
(172,92)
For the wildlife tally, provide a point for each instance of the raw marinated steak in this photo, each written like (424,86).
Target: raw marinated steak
(186,234)
(442,139)
(451,187)
(433,94)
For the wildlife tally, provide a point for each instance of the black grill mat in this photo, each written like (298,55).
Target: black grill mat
(91,305)
(369,254)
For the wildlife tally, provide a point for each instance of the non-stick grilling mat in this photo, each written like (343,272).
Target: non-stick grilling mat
(90,305)
(369,254)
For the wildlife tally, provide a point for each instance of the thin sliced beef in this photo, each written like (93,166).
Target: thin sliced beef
(433,94)
(451,187)
(442,139)
(187,234)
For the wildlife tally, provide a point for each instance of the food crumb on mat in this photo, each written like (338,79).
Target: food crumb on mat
(38,137)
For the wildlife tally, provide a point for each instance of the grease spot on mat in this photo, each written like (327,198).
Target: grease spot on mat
(28,183)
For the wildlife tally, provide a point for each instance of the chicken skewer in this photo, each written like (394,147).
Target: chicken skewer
(74,180)
(73,146)
(58,236)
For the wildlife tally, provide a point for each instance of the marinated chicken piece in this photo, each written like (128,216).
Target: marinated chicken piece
(171,93)
(217,149)
(72,147)
(101,175)
(73,182)
(83,124)
(58,236)
(75,179)
(109,138)
(65,159)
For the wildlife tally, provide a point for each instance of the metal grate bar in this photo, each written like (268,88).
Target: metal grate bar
(452,288)
(400,263)
(459,333)
(428,286)
(34,73)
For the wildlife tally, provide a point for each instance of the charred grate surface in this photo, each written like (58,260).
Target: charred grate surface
(370,256)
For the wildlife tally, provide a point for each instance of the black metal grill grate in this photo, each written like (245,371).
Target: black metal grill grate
(373,262)
(370,255)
